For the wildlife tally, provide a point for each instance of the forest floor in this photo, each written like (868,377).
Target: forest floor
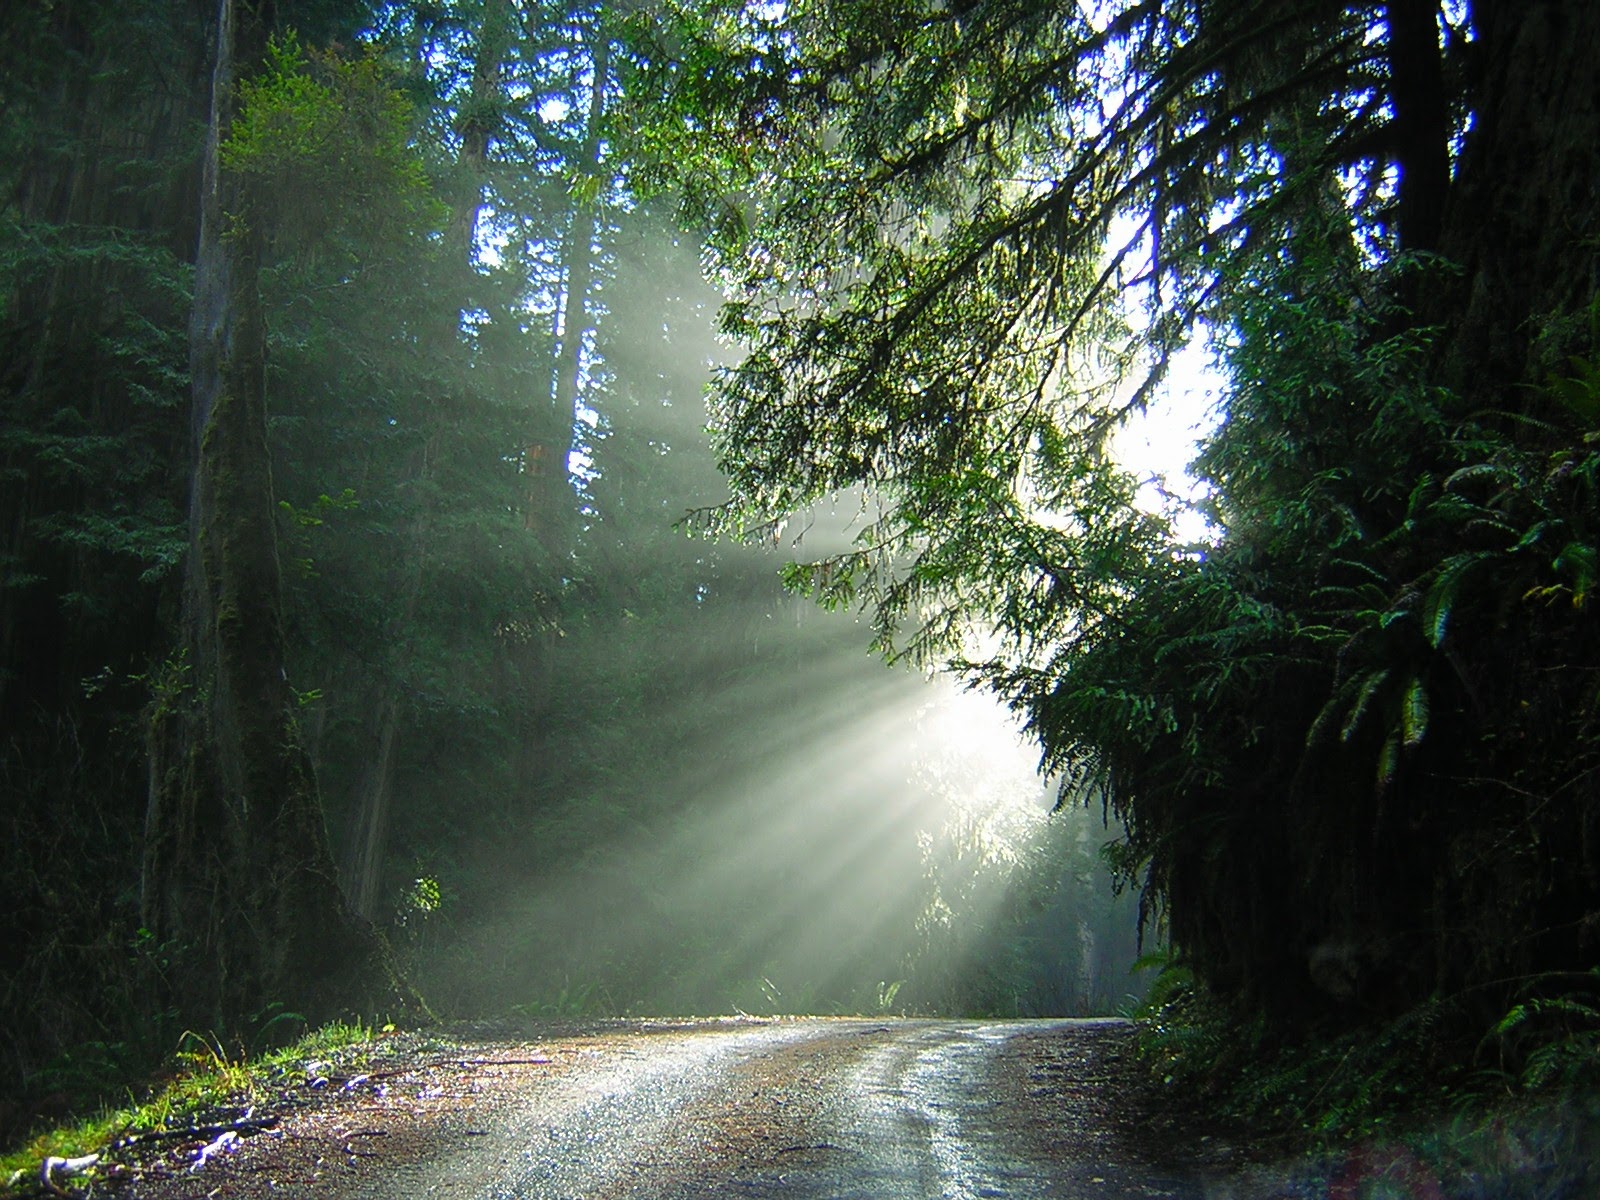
(806,1108)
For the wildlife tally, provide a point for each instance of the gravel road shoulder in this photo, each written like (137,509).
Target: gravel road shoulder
(752,1108)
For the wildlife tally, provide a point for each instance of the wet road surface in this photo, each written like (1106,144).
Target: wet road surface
(806,1109)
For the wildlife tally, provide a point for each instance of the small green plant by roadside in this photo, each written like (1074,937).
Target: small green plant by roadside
(275,1026)
(203,1078)
(419,901)
(584,998)
(886,994)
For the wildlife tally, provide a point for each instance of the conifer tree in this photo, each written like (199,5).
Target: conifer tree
(961,241)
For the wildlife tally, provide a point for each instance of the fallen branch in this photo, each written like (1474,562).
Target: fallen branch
(355,1081)
(242,1127)
(226,1142)
(55,1165)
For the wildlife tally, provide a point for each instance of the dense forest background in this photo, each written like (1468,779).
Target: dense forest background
(355,655)
(1351,729)
(567,759)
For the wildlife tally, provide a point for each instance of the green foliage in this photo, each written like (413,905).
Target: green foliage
(1550,1042)
(199,1074)
(1323,1089)
(91,421)
(95,155)
(887,992)
(324,146)
(1402,1104)
(1181,1032)
(1352,740)
(586,999)
(421,900)
(1576,385)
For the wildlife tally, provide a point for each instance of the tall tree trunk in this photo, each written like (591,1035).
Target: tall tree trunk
(237,870)
(1422,122)
(367,831)
(367,840)
(555,507)
(1523,220)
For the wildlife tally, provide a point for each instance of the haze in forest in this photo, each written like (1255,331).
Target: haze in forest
(811,829)
(393,615)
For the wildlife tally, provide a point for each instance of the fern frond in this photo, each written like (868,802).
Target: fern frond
(1443,593)
(1579,560)
(1517,1016)
(1330,711)
(1414,715)
(1355,564)
(1478,473)
(1370,684)
(1388,761)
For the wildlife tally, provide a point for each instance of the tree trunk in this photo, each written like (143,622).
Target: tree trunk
(1523,221)
(368,837)
(552,503)
(367,831)
(237,872)
(1422,123)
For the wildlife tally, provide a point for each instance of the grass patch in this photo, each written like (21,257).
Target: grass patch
(201,1081)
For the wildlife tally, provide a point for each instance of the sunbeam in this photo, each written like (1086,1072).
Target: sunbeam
(871,839)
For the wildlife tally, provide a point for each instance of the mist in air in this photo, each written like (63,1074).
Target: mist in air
(718,799)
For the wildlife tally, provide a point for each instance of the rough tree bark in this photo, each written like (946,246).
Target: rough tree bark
(237,872)
(1422,123)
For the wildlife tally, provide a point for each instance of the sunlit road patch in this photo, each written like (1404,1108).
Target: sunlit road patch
(831,1109)
(929,1109)
(816,1109)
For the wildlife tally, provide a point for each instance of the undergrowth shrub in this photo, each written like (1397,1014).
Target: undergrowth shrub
(1415,1106)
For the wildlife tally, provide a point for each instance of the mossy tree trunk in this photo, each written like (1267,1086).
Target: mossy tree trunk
(238,876)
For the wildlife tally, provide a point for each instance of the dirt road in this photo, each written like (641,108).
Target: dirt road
(810,1109)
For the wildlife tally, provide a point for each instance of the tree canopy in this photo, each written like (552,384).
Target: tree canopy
(346,423)
(961,241)
(353,392)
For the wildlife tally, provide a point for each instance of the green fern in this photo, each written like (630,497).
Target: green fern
(1330,712)
(1553,1041)
(1371,683)
(1581,563)
(1388,761)
(1414,715)
(1443,593)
